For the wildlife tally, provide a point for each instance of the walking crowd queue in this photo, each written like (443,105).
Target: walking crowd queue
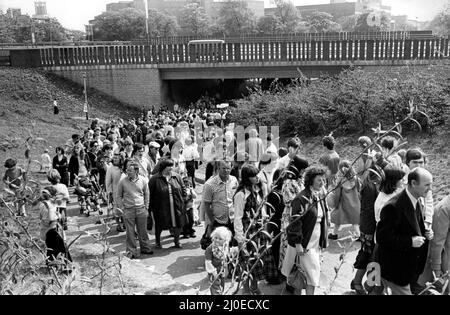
(147,168)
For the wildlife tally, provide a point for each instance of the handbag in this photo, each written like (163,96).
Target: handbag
(297,278)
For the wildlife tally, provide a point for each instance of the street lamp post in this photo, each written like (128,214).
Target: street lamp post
(86,106)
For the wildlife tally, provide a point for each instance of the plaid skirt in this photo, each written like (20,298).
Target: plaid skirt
(265,270)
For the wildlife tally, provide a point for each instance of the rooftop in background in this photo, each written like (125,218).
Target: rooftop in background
(340,8)
(40,8)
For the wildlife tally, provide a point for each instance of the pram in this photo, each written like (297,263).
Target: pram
(88,191)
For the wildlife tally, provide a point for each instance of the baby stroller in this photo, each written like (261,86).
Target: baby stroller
(87,189)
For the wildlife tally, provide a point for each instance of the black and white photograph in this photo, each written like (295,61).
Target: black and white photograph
(243,149)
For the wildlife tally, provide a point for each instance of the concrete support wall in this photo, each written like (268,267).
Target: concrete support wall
(135,86)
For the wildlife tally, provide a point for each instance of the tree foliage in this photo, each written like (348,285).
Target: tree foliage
(362,25)
(194,21)
(322,22)
(19,31)
(287,16)
(162,24)
(235,18)
(441,22)
(126,24)
(353,101)
(348,23)
(267,24)
(129,24)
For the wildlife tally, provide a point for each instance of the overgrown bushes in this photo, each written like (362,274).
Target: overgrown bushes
(354,101)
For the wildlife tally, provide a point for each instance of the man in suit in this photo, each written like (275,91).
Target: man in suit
(401,235)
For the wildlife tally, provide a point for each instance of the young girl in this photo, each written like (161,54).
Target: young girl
(216,259)
(46,161)
(188,231)
(14,178)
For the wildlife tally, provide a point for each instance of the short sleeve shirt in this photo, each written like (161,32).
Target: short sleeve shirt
(220,195)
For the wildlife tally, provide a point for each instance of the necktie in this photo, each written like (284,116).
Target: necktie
(420,217)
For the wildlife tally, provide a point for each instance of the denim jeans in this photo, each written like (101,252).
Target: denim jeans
(136,217)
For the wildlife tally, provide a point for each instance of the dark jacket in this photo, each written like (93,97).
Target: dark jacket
(160,202)
(300,232)
(74,166)
(275,199)
(62,168)
(369,193)
(400,263)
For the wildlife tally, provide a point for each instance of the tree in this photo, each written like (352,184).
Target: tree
(441,22)
(268,24)
(348,23)
(372,22)
(125,24)
(162,24)
(322,22)
(75,35)
(49,30)
(6,32)
(19,30)
(235,18)
(194,21)
(287,16)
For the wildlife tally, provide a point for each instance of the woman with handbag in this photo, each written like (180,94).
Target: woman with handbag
(167,201)
(291,187)
(307,232)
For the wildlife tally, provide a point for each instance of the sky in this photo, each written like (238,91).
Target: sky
(74,14)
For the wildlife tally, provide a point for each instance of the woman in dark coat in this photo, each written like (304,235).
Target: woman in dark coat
(308,235)
(79,164)
(61,165)
(167,201)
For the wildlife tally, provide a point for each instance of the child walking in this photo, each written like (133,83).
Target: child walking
(188,231)
(217,256)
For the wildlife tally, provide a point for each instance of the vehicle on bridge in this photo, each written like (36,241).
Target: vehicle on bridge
(206,49)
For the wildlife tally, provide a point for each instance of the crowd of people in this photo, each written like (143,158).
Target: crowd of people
(258,195)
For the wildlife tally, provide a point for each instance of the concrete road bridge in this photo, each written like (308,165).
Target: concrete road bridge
(157,71)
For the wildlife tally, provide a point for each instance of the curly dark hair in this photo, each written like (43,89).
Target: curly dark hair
(328,142)
(9,163)
(311,173)
(388,142)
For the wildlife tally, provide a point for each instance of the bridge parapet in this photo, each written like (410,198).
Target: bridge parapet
(176,55)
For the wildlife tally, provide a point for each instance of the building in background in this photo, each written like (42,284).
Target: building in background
(40,8)
(212,7)
(116,6)
(340,8)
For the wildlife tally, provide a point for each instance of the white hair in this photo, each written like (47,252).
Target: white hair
(222,232)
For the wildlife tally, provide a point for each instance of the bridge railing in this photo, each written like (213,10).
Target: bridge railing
(218,53)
